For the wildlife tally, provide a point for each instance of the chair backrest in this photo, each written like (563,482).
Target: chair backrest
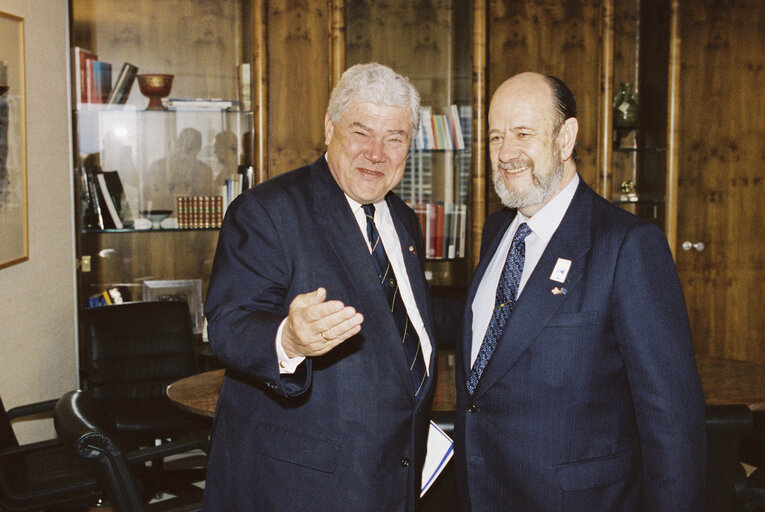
(135,350)
(7,436)
(725,424)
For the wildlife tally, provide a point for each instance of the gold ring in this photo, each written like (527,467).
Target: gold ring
(323,337)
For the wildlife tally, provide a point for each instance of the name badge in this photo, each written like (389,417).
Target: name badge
(560,271)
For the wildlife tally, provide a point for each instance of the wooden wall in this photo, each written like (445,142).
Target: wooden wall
(556,38)
(298,82)
(722,166)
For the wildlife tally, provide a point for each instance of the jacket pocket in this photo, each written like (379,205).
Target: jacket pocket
(573,319)
(591,473)
(308,451)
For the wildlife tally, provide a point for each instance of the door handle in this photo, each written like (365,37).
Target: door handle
(687,246)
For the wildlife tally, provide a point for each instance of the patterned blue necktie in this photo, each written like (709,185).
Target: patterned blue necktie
(507,290)
(409,337)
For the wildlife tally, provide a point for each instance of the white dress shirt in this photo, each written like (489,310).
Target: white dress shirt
(543,225)
(392,245)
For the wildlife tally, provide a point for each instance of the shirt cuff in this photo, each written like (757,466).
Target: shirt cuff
(287,364)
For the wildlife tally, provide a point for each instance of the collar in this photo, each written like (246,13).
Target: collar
(546,221)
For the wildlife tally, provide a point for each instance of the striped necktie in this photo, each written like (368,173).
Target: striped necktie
(504,302)
(409,337)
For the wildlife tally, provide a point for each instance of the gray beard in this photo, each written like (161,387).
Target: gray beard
(544,188)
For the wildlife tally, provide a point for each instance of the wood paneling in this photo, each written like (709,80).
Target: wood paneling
(200,42)
(298,82)
(556,38)
(722,163)
(141,255)
(479,182)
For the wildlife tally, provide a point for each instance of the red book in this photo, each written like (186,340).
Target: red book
(439,231)
(430,237)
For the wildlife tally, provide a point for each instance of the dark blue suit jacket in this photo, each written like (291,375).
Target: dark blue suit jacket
(345,432)
(592,399)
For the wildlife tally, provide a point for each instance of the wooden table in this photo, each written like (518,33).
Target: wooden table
(725,381)
(198,393)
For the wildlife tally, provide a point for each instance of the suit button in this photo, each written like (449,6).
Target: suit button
(404,462)
(472,408)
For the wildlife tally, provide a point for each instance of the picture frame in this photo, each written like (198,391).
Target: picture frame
(178,290)
(13,153)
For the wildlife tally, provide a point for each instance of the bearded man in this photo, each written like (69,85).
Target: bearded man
(577,387)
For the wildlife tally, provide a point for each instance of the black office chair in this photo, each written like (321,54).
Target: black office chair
(726,477)
(131,352)
(43,474)
(77,419)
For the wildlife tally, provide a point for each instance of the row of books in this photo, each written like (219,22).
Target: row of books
(93,79)
(104,204)
(442,131)
(444,228)
(194,212)
(113,295)
(429,177)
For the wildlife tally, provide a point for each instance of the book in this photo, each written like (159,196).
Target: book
(108,201)
(118,196)
(89,220)
(102,81)
(82,64)
(98,221)
(122,86)
(454,117)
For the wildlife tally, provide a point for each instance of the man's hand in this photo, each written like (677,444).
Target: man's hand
(314,327)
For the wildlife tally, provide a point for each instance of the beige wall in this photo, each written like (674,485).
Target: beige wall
(37,297)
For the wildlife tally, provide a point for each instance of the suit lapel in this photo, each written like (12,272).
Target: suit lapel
(537,303)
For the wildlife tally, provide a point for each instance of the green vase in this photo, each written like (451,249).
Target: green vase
(626,109)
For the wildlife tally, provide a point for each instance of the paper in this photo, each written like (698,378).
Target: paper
(440,450)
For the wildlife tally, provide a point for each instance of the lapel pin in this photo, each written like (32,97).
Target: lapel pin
(411,249)
(559,291)
(560,271)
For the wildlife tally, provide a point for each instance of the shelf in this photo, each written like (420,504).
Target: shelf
(640,201)
(100,109)
(645,149)
(162,230)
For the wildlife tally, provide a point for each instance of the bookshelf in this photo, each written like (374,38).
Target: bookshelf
(431,44)
(152,184)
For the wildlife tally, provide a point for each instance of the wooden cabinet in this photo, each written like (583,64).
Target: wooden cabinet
(192,149)
(430,42)
(638,162)
(721,141)
(695,155)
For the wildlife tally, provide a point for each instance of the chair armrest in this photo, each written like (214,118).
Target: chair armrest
(77,420)
(30,409)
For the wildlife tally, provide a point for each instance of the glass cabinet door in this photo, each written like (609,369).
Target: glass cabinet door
(163,124)
(430,43)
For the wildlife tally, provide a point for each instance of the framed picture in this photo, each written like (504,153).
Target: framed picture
(178,290)
(13,152)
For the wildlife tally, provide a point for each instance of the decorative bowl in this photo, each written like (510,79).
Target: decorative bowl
(155,87)
(156,216)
